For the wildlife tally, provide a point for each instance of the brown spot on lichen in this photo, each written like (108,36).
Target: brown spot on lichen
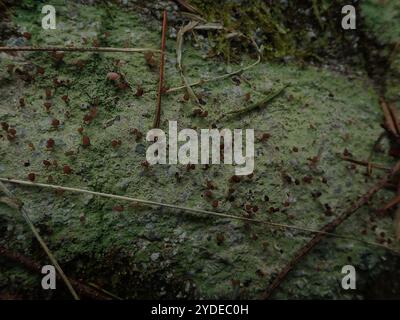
(116,143)
(85,141)
(55,123)
(67,169)
(50,143)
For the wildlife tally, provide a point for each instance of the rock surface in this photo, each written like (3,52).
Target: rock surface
(141,252)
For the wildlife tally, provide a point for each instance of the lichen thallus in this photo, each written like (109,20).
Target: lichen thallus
(278,226)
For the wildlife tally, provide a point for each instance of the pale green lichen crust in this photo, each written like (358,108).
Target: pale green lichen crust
(144,252)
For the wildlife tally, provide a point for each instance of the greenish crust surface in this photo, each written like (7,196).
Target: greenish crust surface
(145,252)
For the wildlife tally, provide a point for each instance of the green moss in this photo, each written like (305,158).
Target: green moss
(382,19)
(310,30)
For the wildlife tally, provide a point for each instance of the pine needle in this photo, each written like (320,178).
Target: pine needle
(157,117)
(77,49)
(179,42)
(257,105)
(214,26)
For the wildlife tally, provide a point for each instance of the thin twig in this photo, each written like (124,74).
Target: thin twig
(374,148)
(77,49)
(393,202)
(104,291)
(300,254)
(390,124)
(395,116)
(157,117)
(365,163)
(194,210)
(15,203)
(187,6)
